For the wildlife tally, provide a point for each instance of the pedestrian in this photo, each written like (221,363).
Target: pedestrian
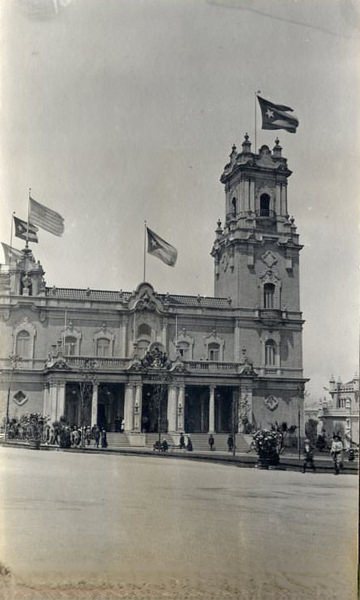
(103,439)
(336,452)
(308,456)
(182,442)
(122,425)
(96,436)
(189,446)
(211,441)
(230,443)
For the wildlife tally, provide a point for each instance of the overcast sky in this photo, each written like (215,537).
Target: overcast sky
(116,111)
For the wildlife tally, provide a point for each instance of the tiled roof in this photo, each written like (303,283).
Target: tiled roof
(118,296)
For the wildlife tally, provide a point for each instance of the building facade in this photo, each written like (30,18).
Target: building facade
(176,362)
(340,413)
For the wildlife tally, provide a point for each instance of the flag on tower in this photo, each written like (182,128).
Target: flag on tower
(276,116)
(11,253)
(160,248)
(21,230)
(46,218)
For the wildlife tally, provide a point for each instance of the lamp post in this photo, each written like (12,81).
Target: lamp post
(85,388)
(14,359)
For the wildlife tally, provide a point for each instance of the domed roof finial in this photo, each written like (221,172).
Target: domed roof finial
(246,144)
(277,149)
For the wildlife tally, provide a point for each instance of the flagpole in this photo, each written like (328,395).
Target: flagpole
(11,227)
(256,93)
(28,218)
(144,251)
(64,336)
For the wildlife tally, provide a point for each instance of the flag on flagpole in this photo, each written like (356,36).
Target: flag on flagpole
(46,218)
(276,116)
(21,230)
(160,248)
(11,253)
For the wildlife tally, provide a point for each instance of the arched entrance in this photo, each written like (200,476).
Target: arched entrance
(154,409)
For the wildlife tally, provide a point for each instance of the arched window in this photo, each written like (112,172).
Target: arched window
(70,345)
(144,330)
(233,203)
(270,353)
(23,345)
(143,346)
(102,347)
(184,350)
(269,295)
(264,205)
(214,351)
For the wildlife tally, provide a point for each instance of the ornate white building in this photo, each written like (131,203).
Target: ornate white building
(237,355)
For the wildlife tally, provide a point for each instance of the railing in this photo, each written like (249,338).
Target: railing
(102,362)
(264,213)
(210,366)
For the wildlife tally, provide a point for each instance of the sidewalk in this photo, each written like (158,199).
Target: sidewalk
(288,461)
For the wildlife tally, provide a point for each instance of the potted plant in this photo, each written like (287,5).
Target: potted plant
(267,448)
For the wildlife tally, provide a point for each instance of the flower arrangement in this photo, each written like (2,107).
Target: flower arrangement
(267,445)
(33,425)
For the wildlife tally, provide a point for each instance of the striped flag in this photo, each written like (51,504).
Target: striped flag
(276,116)
(11,253)
(46,218)
(161,249)
(25,232)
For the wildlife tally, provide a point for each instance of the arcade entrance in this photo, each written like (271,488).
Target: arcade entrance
(154,409)
(197,409)
(110,411)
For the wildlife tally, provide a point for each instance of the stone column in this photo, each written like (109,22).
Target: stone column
(60,399)
(247,195)
(171,407)
(284,199)
(237,341)
(138,407)
(46,400)
(212,409)
(181,408)
(94,404)
(129,406)
(123,328)
(252,196)
(278,203)
(53,400)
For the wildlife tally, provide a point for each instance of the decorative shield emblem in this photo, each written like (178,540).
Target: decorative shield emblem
(20,398)
(271,402)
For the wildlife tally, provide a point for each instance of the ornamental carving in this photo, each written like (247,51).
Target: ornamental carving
(20,398)
(155,359)
(269,259)
(271,402)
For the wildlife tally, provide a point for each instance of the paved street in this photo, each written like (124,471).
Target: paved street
(112,526)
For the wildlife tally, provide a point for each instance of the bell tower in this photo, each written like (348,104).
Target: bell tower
(256,251)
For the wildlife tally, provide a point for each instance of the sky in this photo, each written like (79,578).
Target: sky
(120,111)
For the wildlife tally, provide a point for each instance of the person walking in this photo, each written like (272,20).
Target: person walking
(211,441)
(96,436)
(182,442)
(336,451)
(308,456)
(103,439)
(189,446)
(230,443)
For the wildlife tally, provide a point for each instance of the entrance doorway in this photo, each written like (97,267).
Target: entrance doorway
(223,410)
(73,405)
(197,409)
(110,411)
(154,409)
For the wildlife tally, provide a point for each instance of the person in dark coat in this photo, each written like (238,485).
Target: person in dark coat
(97,436)
(182,442)
(211,441)
(189,446)
(103,439)
(230,443)
(308,456)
